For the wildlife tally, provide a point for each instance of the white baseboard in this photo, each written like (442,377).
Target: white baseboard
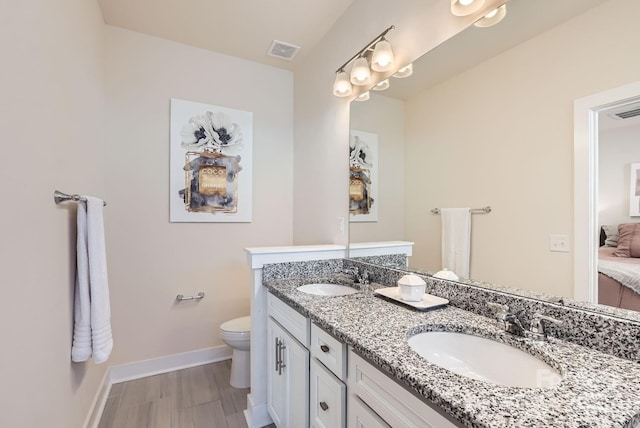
(99,401)
(256,415)
(140,369)
(169,363)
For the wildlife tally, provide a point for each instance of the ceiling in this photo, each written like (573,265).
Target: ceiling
(241,28)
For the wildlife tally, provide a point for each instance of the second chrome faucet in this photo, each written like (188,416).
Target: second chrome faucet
(510,322)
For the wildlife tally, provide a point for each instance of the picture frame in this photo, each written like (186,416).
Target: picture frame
(634,190)
(363,176)
(211,157)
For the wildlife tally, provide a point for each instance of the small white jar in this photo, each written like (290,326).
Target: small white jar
(412,288)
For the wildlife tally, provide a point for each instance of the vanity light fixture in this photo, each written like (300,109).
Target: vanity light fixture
(405,71)
(378,51)
(465,7)
(382,85)
(493,17)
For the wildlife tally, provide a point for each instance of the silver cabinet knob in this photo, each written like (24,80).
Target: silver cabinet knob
(324,348)
(324,406)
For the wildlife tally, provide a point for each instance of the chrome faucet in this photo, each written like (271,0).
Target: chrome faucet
(361,278)
(506,319)
(536,328)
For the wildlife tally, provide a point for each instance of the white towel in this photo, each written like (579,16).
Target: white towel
(92,325)
(456,240)
(81,349)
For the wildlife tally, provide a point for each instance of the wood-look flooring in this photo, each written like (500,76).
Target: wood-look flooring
(196,397)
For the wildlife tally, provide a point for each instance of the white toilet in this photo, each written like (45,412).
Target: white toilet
(236,333)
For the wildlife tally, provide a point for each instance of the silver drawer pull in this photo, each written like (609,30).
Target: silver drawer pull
(281,352)
(277,353)
(324,348)
(324,406)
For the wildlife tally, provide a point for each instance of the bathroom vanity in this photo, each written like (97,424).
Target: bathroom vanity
(309,383)
(352,356)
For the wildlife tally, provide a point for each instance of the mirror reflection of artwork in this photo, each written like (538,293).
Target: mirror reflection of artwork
(634,194)
(363,176)
(211,158)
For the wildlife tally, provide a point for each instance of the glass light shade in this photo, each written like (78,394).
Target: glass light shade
(360,73)
(342,86)
(382,85)
(466,7)
(493,17)
(382,59)
(405,71)
(363,96)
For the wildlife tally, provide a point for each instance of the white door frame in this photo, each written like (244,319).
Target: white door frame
(585,184)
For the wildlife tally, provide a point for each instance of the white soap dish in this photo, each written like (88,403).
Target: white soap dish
(428,302)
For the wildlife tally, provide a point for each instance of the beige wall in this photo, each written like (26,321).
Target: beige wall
(383,116)
(322,120)
(150,259)
(52,134)
(508,143)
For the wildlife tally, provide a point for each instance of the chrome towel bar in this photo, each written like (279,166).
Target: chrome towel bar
(181,298)
(483,210)
(59,197)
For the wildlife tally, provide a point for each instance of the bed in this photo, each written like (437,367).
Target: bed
(619,266)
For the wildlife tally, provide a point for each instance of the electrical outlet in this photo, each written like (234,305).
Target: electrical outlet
(559,243)
(341,225)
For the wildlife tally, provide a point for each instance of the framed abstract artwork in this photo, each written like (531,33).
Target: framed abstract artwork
(210,163)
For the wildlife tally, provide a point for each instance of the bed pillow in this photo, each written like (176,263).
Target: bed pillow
(629,240)
(611,236)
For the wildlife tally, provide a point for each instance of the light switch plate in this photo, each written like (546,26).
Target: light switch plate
(559,243)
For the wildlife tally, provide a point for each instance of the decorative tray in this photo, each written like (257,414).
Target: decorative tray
(428,301)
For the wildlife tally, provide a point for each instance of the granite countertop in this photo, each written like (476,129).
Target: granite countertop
(597,389)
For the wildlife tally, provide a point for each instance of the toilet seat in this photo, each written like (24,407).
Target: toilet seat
(237,326)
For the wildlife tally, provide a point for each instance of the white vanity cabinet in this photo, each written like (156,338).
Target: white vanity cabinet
(380,401)
(287,365)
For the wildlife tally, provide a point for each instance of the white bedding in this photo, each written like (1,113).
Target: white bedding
(625,273)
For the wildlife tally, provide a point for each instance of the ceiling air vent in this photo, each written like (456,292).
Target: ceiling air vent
(626,112)
(283,50)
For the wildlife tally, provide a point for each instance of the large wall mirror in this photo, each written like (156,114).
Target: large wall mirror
(487,120)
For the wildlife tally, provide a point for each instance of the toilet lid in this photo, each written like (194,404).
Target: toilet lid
(238,325)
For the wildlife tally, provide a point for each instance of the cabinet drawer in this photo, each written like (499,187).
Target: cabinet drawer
(329,350)
(327,398)
(397,406)
(293,321)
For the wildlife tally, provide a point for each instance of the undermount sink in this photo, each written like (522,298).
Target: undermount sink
(484,359)
(327,289)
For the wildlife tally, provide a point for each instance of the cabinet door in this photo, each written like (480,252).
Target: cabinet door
(288,378)
(327,401)
(361,416)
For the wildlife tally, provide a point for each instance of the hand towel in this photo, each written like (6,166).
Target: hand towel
(456,240)
(101,339)
(92,311)
(81,348)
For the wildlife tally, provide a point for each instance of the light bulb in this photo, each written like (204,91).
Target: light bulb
(342,85)
(363,96)
(360,73)
(382,85)
(382,58)
(466,7)
(493,17)
(405,71)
